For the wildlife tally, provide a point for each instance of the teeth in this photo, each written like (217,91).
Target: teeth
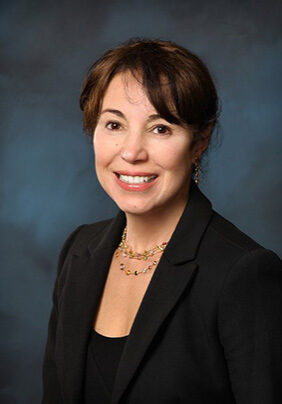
(135,180)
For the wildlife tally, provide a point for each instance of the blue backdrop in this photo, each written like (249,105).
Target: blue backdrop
(48,184)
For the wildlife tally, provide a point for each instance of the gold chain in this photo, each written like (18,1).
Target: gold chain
(135,272)
(127,252)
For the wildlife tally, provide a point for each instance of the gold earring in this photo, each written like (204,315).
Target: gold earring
(196,170)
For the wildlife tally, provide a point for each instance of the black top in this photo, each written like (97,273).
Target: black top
(103,357)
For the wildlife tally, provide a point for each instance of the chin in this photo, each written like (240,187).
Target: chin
(135,208)
(142,207)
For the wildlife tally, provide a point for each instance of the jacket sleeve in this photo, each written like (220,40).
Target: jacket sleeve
(250,327)
(51,388)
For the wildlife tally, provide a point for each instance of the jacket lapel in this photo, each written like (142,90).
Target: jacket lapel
(85,284)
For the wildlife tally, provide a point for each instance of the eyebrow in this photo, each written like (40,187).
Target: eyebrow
(151,118)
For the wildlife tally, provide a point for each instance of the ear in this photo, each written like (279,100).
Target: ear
(202,143)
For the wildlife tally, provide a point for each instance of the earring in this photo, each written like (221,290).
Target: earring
(196,170)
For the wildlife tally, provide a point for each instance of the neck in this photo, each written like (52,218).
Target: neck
(146,230)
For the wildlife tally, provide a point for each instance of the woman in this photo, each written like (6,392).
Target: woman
(168,302)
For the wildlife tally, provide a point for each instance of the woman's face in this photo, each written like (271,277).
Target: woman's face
(142,161)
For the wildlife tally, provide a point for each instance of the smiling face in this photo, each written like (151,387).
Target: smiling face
(142,161)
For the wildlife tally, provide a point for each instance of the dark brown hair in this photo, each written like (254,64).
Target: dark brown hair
(162,65)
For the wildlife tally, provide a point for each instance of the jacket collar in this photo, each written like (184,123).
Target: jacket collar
(87,274)
(189,231)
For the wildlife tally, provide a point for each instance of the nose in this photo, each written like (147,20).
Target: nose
(134,149)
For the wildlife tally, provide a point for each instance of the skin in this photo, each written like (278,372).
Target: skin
(133,143)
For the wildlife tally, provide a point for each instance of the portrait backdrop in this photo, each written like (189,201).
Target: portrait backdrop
(48,183)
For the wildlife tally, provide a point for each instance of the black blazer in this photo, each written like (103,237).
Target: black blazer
(209,328)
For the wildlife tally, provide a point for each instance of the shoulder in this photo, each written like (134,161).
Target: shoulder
(227,232)
(80,237)
(227,239)
(87,232)
(252,273)
(248,248)
(229,257)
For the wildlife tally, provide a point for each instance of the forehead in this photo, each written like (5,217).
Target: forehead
(127,91)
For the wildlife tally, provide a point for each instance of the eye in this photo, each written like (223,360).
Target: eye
(162,130)
(113,125)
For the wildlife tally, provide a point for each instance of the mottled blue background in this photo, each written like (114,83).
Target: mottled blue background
(48,185)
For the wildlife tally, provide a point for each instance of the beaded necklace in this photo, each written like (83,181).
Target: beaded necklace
(127,252)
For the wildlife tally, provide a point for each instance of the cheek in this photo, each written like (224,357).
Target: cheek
(104,150)
(173,157)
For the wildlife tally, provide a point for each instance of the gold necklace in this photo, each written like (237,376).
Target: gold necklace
(135,272)
(123,247)
(128,252)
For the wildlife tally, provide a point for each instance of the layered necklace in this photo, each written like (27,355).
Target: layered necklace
(127,252)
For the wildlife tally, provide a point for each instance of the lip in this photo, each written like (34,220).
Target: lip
(134,187)
(135,173)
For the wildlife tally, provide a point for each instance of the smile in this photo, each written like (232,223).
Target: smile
(136,179)
(140,182)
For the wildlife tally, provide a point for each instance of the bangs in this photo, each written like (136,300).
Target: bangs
(158,83)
